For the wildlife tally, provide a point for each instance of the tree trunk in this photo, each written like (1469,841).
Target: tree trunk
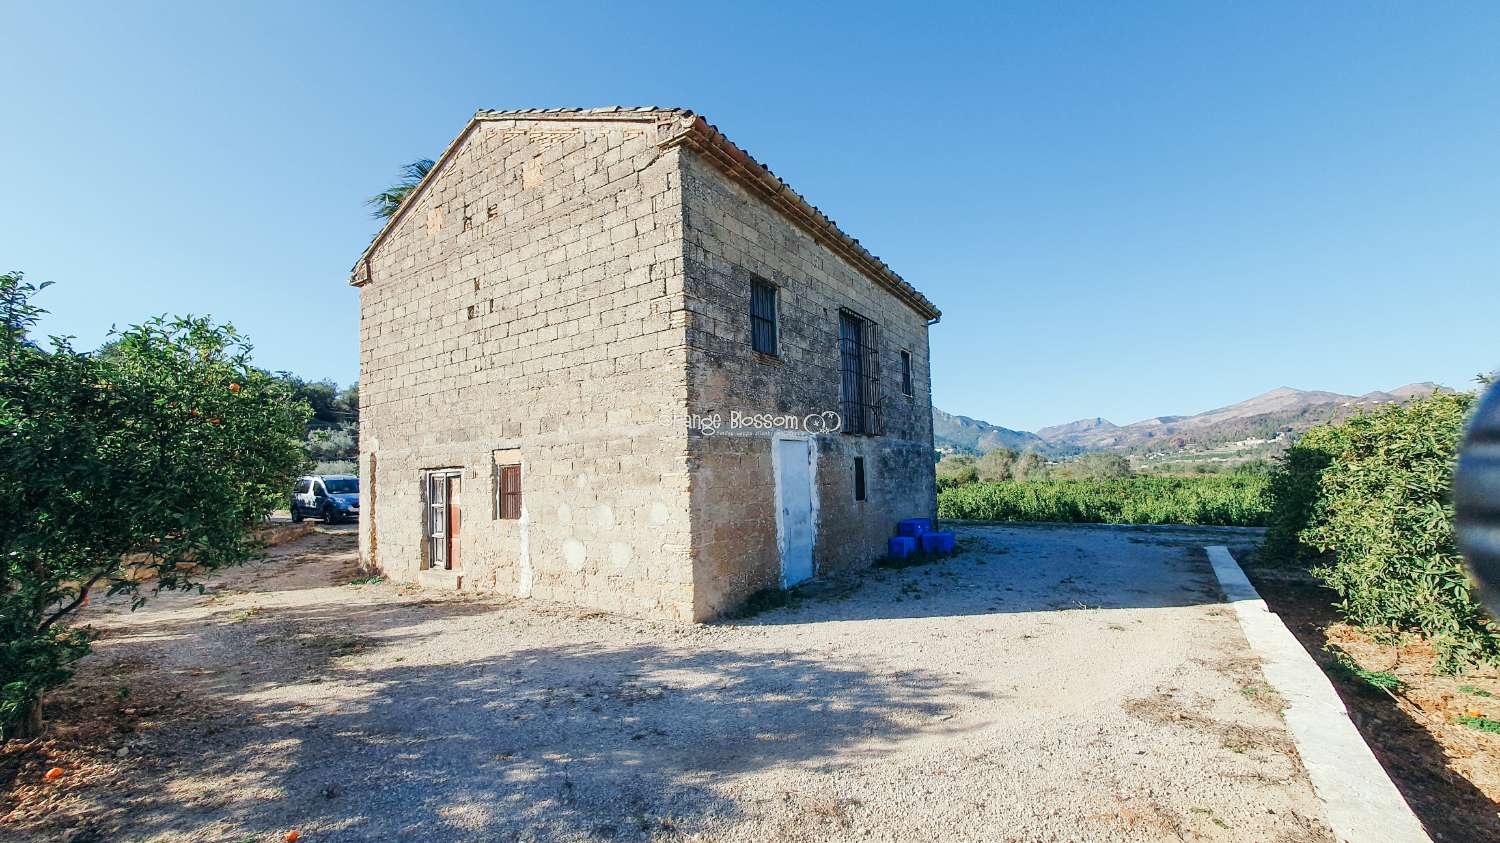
(31,725)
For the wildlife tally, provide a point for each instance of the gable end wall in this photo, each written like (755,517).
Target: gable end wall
(530,301)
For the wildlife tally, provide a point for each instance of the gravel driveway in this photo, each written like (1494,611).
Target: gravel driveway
(1048,683)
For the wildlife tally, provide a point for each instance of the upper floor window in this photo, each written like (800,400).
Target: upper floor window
(763,316)
(508,492)
(859,362)
(906,373)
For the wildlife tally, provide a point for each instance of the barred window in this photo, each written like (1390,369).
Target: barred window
(859,344)
(762,316)
(906,373)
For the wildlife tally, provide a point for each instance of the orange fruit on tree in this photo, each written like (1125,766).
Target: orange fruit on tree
(53,774)
(234,387)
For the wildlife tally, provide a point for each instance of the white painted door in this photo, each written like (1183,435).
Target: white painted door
(794,527)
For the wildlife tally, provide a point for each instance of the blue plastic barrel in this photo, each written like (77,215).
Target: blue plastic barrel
(902,547)
(937,542)
(913,527)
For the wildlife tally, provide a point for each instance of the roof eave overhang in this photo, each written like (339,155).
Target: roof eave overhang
(734,162)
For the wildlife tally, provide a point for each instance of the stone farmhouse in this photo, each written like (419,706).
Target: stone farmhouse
(607,358)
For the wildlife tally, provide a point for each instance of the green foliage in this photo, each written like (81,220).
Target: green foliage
(336,467)
(1221,499)
(1029,465)
(333,428)
(386,202)
(994,466)
(161,453)
(1379,679)
(956,470)
(331,407)
(1094,466)
(1294,489)
(1383,518)
(1251,466)
(1483,724)
(332,444)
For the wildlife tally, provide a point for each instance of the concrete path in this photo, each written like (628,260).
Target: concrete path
(1362,803)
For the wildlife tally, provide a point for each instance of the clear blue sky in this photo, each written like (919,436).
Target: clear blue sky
(1123,211)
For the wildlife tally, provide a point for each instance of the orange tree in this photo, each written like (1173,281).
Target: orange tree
(160,453)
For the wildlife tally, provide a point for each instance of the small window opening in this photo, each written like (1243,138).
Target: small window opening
(763,316)
(508,492)
(859,478)
(906,373)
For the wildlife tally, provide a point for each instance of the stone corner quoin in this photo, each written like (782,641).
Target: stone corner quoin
(560,397)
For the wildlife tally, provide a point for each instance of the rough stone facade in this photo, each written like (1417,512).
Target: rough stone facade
(566,291)
(732,238)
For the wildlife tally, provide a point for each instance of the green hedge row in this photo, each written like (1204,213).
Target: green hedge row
(1225,500)
(1369,506)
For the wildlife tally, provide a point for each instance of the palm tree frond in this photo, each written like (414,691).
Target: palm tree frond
(388,201)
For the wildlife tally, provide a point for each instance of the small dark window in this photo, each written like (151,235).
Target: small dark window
(906,373)
(508,492)
(859,478)
(303,487)
(762,316)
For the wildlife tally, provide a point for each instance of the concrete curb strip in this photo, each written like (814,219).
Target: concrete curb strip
(1362,803)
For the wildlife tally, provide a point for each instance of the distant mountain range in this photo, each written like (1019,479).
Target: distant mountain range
(1248,427)
(961,433)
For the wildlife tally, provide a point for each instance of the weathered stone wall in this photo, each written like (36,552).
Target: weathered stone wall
(730,237)
(531,300)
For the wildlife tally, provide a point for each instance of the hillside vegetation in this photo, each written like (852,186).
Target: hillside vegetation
(332,439)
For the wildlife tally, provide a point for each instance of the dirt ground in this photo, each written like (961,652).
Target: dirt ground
(1447,769)
(1048,683)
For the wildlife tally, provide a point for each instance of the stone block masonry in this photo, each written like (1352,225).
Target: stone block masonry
(732,238)
(560,292)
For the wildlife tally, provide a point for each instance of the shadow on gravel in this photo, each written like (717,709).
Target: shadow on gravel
(307,717)
(317,729)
